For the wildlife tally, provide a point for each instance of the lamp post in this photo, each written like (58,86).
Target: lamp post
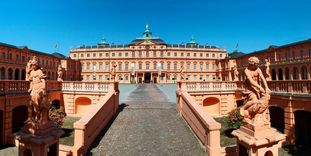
(160,71)
(133,71)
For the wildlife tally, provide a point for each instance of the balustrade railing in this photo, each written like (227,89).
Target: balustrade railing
(85,86)
(210,86)
(290,86)
(20,86)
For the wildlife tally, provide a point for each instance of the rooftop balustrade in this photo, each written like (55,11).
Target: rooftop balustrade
(79,86)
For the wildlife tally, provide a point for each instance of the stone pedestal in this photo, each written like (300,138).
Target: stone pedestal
(258,140)
(38,140)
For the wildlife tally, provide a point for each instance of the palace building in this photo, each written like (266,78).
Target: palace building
(148,59)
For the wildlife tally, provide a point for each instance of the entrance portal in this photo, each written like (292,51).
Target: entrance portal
(147,77)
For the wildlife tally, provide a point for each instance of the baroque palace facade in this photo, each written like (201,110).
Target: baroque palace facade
(148,59)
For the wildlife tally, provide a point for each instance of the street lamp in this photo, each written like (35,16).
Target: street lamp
(159,70)
(133,71)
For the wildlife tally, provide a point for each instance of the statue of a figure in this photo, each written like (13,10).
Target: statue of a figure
(112,72)
(182,73)
(60,73)
(38,107)
(257,94)
(267,69)
(28,68)
(235,73)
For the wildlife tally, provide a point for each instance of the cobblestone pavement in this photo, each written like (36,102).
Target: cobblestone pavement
(147,125)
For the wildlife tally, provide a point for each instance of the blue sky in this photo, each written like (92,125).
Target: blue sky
(254,24)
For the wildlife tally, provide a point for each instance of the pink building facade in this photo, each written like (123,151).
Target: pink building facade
(148,59)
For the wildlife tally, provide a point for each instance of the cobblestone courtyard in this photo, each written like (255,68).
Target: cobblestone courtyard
(148,124)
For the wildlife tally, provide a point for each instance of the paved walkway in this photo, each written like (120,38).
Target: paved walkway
(147,125)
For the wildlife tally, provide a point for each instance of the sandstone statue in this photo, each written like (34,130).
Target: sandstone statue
(112,72)
(182,73)
(235,73)
(257,94)
(267,70)
(60,73)
(38,106)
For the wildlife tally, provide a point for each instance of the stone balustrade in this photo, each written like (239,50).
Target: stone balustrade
(21,87)
(203,125)
(290,86)
(209,86)
(79,86)
(286,86)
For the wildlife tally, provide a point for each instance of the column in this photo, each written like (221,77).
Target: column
(151,77)
(143,79)
(289,121)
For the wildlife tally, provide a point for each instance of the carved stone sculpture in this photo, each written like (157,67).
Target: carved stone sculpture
(267,70)
(60,73)
(235,73)
(257,93)
(39,104)
(182,73)
(112,72)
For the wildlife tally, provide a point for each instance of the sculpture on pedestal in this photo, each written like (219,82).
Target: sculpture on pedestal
(182,74)
(235,73)
(38,107)
(267,70)
(60,73)
(112,72)
(257,94)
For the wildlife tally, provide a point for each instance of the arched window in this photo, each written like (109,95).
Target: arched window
(10,74)
(287,74)
(295,73)
(304,73)
(273,74)
(280,74)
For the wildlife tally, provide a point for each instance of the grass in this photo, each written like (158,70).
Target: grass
(226,139)
(68,137)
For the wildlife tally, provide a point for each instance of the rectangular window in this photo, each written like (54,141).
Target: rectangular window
(113,54)
(213,55)
(107,66)
(301,53)
(175,54)
(107,54)
(120,66)
(194,66)
(181,54)
(168,66)
(147,66)
(201,66)
(100,54)
(175,66)
(207,77)
(201,55)
(188,77)
(155,53)
(120,54)
(154,65)
(87,55)
(207,54)
(126,54)
(194,77)
(168,54)
(88,66)
(161,53)
(100,77)
(126,77)
(294,55)
(140,54)
(188,54)
(140,66)
(87,77)
(17,58)
(74,55)
(147,53)
(286,55)
(106,77)
(94,54)
(120,77)
(188,66)
(82,55)
(133,54)
(100,66)
(213,66)
(127,66)
(194,54)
